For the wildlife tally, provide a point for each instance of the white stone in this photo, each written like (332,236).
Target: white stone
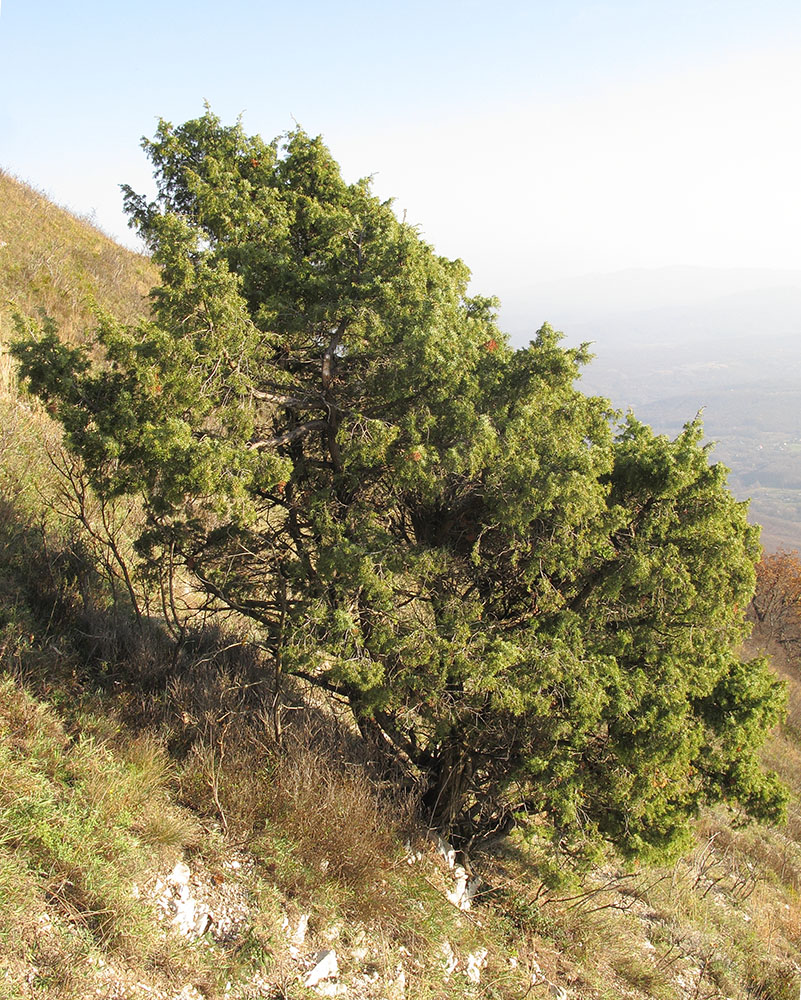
(191,918)
(412,856)
(359,946)
(449,955)
(175,902)
(557,992)
(399,986)
(446,851)
(189,992)
(331,989)
(367,978)
(461,895)
(476,961)
(299,937)
(332,932)
(359,939)
(325,967)
(180,874)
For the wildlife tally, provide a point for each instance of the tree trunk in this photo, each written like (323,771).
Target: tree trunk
(450,781)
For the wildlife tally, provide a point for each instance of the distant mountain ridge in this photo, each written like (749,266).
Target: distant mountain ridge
(595,302)
(671,342)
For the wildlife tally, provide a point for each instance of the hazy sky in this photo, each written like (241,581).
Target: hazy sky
(535,140)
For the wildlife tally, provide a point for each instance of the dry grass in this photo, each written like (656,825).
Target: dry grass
(146,729)
(310,784)
(53,262)
(73,839)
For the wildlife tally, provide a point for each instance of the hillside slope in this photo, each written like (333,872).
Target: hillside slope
(53,262)
(161,835)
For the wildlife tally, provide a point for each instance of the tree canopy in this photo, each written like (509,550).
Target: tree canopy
(776,604)
(532,608)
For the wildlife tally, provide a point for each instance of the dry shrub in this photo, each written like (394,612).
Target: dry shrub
(773,980)
(313,818)
(277,769)
(785,663)
(333,813)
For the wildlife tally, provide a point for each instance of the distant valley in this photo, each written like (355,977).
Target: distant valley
(673,341)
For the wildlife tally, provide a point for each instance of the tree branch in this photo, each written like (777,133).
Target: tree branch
(289,436)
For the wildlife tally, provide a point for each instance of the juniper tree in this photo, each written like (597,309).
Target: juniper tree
(530,608)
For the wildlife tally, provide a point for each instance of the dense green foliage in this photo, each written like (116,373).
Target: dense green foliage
(529,611)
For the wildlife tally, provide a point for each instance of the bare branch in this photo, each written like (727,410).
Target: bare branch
(285,400)
(289,436)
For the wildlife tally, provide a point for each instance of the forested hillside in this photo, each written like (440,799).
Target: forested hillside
(287,600)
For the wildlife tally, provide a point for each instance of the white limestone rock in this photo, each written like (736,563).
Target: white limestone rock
(180,875)
(195,902)
(464,889)
(299,937)
(189,917)
(476,961)
(329,989)
(445,851)
(325,967)
(412,856)
(398,988)
(456,895)
(360,946)
(450,959)
(189,992)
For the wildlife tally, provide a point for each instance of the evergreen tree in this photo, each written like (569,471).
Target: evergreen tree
(530,610)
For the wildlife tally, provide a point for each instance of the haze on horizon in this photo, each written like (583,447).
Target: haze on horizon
(535,142)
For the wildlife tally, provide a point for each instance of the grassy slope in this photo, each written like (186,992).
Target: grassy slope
(53,262)
(118,756)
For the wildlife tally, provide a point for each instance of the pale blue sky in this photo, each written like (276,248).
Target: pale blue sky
(535,140)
